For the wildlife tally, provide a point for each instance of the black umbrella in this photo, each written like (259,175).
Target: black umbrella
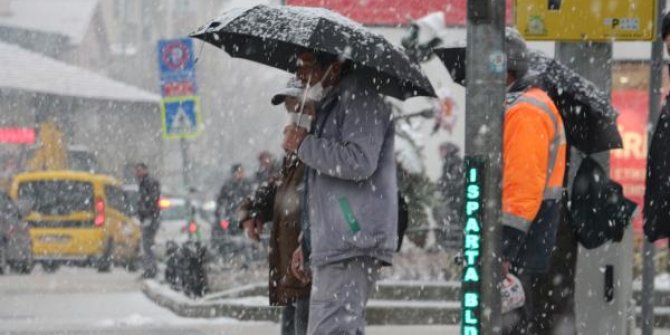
(274,35)
(589,117)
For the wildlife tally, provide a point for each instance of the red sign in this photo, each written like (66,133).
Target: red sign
(396,12)
(628,165)
(178,88)
(175,55)
(18,135)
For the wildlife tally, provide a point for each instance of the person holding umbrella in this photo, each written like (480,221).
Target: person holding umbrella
(590,127)
(351,188)
(534,154)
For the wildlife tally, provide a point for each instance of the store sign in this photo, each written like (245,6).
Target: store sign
(18,135)
(628,165)
(579,20)
(471,299)
(395,12)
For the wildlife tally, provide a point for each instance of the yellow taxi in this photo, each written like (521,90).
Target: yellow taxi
(78,218)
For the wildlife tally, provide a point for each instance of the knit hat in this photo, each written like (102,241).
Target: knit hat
(517,53)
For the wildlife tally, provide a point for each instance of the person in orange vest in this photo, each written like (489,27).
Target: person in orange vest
(534,160)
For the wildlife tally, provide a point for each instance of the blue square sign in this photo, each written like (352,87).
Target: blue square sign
(181,117)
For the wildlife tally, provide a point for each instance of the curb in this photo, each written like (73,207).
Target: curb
(378,312)
(186,307)
(246,304)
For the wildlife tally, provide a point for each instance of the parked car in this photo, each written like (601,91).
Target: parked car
(15,243)
(180,223)
(78,218)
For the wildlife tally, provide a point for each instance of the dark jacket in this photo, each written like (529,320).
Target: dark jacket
(451,185)
(263,175)
(280,201)
(150,193)
(230,196)
(657,193)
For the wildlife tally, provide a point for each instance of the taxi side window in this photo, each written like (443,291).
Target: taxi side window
(7,207)
(116,199)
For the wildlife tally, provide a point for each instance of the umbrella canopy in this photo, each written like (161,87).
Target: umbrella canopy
(588,115)
(275,35)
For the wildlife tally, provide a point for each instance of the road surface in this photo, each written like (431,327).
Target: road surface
(82,301)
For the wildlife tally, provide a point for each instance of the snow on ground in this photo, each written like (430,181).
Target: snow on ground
(81,299)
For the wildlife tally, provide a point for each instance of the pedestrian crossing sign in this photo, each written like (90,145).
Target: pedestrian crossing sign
(180,116)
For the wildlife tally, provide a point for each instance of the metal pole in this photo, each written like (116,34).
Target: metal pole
(603,285)
(185,163)
(485,99)
(655,83)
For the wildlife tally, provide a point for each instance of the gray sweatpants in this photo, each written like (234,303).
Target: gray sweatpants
(340,292)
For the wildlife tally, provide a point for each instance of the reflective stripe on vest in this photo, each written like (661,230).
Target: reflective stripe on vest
(516,222)
(550,193)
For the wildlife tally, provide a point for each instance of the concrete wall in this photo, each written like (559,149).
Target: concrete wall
(120,134)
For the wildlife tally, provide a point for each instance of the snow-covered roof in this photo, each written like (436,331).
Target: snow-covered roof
(70,18)
(21,69)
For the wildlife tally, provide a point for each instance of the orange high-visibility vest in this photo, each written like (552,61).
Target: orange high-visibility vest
(534,153)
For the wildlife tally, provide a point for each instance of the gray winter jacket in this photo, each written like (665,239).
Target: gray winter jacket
(351,182)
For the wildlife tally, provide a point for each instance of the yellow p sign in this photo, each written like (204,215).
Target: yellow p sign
(592,20)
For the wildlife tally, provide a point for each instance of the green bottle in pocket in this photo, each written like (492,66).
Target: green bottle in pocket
(349,216)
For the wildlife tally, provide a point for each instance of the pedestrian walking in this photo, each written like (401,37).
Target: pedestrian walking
(280,200)
(351,189)
(534,154)
(149,214)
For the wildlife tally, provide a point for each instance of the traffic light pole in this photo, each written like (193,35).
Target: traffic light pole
(485,97)
(603,283)
(183,144)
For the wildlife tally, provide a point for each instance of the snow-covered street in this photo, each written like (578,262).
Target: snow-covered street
(75,300)
(82,301)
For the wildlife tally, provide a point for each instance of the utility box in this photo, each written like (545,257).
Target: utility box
(580,20)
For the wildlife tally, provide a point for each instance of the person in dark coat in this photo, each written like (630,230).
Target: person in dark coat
(234,190)
(149,213)
(657,192)
(451,187)
(280,200)
(267,168)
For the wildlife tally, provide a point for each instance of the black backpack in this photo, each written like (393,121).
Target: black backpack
(599,212)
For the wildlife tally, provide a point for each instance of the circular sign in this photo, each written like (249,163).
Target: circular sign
(175,55)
